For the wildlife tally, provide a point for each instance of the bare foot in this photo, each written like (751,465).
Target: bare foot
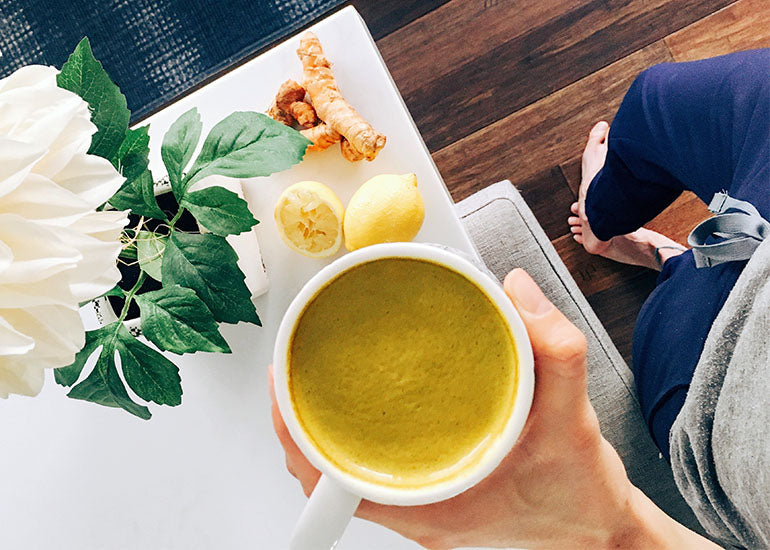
(637,248)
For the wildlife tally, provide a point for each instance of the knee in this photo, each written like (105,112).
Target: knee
(650,80)
(646,88)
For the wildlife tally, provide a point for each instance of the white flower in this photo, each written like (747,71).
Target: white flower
(56,251)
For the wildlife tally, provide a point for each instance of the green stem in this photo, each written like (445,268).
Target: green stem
(176,218)
(130,295)
(184,183)
(128,253)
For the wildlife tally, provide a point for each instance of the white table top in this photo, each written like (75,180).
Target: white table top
(210,473)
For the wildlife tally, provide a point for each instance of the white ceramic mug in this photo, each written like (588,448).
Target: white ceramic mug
(337,495)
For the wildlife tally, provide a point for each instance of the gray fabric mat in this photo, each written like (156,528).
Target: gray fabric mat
(507,235)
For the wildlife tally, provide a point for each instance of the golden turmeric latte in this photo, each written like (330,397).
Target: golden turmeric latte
(402,372)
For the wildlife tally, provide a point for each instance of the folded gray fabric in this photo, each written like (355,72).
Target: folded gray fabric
(507,235)
(720,447)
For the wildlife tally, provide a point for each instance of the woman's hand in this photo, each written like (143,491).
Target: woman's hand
(561,486)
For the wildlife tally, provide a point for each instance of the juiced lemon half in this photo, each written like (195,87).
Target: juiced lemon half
(309,219)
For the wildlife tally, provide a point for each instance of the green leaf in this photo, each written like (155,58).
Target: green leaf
(219,210)
(247,145)
(149,252)
(128,252)
(138,196)
(137,192)
(115,291)
(85,76)
(132,156)
(147,372)
(103,385)
(208,265)
(66,376)
(178,146)
(175,319)
(151,376)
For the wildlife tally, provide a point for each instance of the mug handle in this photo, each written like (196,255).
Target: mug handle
(327,512)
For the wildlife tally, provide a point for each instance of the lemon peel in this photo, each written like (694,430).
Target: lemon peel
(387,208)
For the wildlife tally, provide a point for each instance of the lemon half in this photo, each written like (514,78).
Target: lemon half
(309,219)
(387,208)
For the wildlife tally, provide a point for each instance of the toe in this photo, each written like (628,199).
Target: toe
(599,132)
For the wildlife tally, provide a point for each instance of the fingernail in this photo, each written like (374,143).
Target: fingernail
(526,294)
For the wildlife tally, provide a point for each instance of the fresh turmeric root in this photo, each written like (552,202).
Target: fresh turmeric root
(290,105)
(350,152)
(281,116)
(323,136)
(291,99)
(331,107)
(303,112)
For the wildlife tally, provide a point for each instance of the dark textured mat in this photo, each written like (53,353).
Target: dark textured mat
(155,50)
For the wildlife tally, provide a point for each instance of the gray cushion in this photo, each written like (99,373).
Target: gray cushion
(507,235)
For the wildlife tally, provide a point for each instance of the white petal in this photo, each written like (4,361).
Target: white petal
(92,178)
(24,109)
(58,333)
(97,272)
(38,251)
(66,131)
(105,225)
(31,75)
(16,162)
(6,257)
(51,291)
(19,378)
(88,289)
(41,199)
(13,342)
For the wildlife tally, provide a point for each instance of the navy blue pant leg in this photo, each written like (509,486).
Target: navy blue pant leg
(702,126)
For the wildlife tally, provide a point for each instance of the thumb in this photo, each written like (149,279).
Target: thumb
(558,346)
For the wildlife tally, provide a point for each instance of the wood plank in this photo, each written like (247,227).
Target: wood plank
(549,196)
(546,133)
(618,307)
(678,220)
(385,16)
(482,86)
(593,274)
(744,25)
(572,170)
(438,44)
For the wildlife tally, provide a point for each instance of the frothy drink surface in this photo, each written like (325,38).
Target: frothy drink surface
(402,372)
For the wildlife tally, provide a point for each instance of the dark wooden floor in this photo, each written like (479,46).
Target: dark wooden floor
(508,90)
